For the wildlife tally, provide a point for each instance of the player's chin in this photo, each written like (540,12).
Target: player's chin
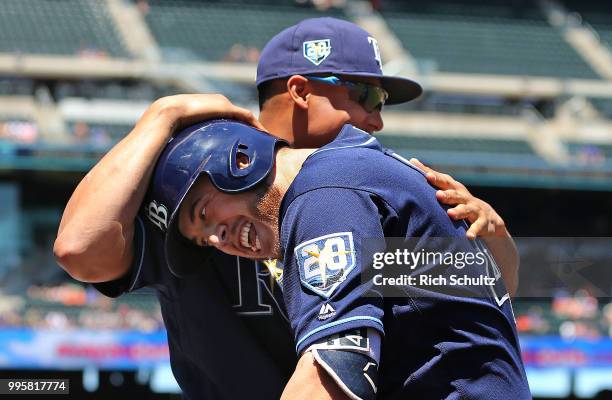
(253,256)
(271,247)
(261,254)
(267,252)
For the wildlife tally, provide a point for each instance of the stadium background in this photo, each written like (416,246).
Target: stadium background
(518,106)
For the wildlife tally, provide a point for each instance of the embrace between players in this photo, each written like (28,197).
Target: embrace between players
(174,199)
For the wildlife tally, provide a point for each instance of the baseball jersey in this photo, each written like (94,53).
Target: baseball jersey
(458,345)
(228,336)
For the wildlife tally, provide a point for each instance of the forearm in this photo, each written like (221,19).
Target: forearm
(311,382)
(506,256)
(95,235)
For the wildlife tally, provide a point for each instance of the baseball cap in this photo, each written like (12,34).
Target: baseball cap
(334,46)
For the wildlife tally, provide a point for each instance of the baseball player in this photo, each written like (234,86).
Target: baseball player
(224,320)
(314,213)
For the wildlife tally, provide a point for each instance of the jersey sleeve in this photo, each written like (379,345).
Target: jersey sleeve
(147,266)
(321,236)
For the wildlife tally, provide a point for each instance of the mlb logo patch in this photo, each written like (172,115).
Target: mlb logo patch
(325,262)
(316,51)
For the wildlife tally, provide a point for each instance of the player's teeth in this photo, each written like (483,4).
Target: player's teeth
(244,235)
(257,243)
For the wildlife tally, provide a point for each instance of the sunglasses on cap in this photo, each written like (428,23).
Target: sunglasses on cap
(370,97)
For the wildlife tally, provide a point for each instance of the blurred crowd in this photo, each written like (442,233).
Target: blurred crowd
(18,131)
(589,154)
(241,53)
(91,134)
(88,50)
(71,305)
(321,5)
(569,315)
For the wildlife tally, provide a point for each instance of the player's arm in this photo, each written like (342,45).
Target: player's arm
(484,222)
(311,382)
(336,320)
(95,237)
(339,366)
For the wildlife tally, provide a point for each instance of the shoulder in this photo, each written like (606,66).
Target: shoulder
(356,159)
(324,212)
(329,205)
(375,171)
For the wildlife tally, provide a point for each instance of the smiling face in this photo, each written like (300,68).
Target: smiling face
(243,224)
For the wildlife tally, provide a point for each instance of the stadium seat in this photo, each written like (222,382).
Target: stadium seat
(597,14)
(497,43)
(465,152)
(604,106)
(188,30)
(457,144)
(480,105)
(59,27)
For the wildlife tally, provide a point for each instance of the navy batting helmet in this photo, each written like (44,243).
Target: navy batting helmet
(209,148)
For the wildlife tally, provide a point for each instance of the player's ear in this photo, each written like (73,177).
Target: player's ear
(299,90)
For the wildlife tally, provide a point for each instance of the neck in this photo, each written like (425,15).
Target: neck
(282,121)
(288,164)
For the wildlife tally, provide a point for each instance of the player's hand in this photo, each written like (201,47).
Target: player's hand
(483,218)
(187,109)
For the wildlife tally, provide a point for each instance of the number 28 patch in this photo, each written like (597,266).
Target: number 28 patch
(325,262)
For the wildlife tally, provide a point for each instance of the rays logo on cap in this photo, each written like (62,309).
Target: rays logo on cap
(374,43)
(325,262)
(316,51)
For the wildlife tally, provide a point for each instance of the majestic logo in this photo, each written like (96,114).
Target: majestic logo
(327,311)
(158,214)
(374,44)
(316,51)
(325,262)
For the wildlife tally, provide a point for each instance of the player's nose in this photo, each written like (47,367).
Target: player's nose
(218,236)
(375,121)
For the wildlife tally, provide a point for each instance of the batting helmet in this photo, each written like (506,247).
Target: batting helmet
(209,148)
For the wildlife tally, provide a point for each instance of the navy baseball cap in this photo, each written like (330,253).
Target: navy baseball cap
(333,46)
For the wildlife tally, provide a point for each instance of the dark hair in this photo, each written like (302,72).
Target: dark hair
(268,89)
